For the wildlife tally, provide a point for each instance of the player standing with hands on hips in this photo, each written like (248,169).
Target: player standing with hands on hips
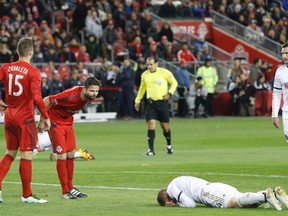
(22,91)
(154,82)
(281,87)
(61,108)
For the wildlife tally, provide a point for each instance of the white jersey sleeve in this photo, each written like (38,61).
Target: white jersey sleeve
(186,190)
(280,87)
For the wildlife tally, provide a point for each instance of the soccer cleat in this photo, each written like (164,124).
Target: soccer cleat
(68,196)
(1,200)
(33,199)
(75,192)
(169,149)
(149,153)
(281,196)
(85,154)
(271,199)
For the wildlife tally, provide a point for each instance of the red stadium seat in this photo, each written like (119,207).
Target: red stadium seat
(48,70)
(64,71)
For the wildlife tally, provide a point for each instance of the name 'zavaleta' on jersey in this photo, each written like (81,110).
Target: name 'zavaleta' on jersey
(22,91)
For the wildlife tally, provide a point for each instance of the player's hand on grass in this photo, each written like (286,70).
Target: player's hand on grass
(275,121)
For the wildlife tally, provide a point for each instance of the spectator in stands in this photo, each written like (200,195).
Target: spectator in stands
(131,33)
(136,49)
(235,71)
(31,7)
(50,54)
(66,55)
(204,53)
(111,93)
(236,12)
(110,36)
(152,50)
(134,20)
(93,25)
(141,67)
(128,8)
(276,13)
(74,46)
(145,23)
(166,31)
(104,5)
(92,47)
(45,87)
(81,68)
(210,79)
(261,84)
(162,47)
(167,10)
(38,56)
(118,15)
(83,54)
(5,53)
(255,70)
(253,33)
(198,9)
(153,32)
(267,25)
(183,79)
(260,13)
(185,55)
(64,36)
(44,32)
(73,80)
(126,79)
(201,97)
(246,96)
(235,89)
(79,16)
(56,84)
(184,9)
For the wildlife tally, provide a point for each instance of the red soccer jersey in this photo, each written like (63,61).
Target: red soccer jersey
(22,91)
(65,104)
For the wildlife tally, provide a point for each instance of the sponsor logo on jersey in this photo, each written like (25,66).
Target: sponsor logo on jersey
(59,149)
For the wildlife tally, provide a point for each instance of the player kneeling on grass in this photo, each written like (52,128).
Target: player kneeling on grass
(61,108)
(187,191)
(45,145)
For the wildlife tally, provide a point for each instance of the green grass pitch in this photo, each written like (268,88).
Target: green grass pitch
(248,153)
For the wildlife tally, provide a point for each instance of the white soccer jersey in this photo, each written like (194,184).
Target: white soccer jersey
(280,87)
(188,191)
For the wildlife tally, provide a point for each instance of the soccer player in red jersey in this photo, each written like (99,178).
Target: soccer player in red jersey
(61,108)
(22,91)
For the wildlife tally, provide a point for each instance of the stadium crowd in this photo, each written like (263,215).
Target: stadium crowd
(70,34)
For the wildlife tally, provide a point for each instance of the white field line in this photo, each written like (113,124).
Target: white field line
(152,189)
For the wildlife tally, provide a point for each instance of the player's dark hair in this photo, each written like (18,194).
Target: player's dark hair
(24,46)
(285,45)
(91,81)
(160,197)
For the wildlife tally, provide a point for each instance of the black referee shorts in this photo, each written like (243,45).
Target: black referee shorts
(158,110)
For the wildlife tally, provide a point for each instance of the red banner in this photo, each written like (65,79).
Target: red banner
(198,28)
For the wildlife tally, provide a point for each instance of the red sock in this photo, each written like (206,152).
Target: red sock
(25,170)
(62,175)
(5,164)
(70,171)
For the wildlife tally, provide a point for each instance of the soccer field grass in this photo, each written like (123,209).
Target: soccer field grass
(248,153)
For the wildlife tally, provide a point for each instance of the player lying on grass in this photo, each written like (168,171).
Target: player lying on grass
(187,191)
(45,144)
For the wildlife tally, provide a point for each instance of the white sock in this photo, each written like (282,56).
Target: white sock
(247,199)
(77,155)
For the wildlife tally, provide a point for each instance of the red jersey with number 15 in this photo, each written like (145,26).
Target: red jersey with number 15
(65,104)
(22,91)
